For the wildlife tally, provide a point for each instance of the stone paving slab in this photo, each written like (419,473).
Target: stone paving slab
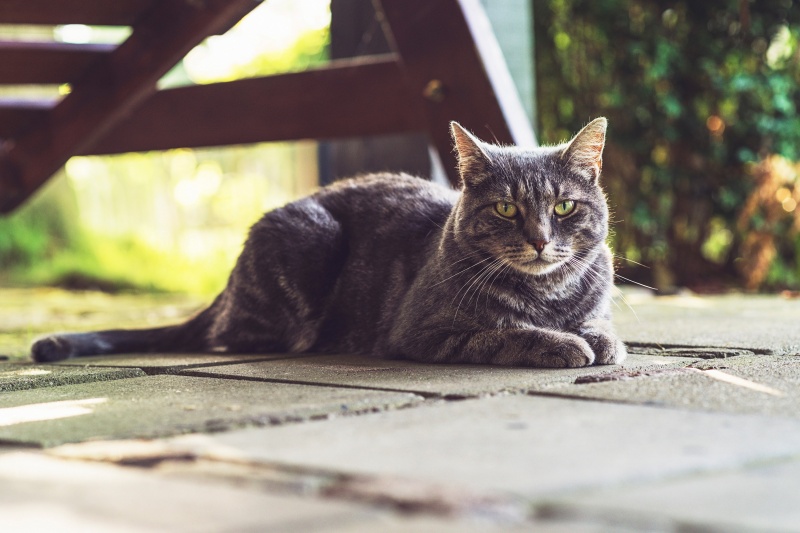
(427,379)
(769,384)
(41,493)
(44,494)
(762,499)
(529,446)
(763,324)
(155,406)
(168,363)
(16,376)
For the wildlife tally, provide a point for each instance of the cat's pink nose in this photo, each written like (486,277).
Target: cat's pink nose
(539,245)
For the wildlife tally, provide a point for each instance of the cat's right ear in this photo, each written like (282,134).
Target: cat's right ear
(472,158)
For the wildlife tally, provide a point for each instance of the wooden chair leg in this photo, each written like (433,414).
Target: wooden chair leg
(454,65)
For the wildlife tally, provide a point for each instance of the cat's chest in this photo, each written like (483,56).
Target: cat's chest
(519,306)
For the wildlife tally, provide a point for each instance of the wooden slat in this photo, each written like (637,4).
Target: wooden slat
(349,98)
(46,62)
(92,12)
(450,43)
(16,115)
(111,89)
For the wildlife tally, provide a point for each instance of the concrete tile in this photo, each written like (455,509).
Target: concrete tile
(168,363)
(415,506)
(20,376)
(761,323)
(40,494)
(155,406)
(535,447)
(763,499)
(772,387)
(427,379)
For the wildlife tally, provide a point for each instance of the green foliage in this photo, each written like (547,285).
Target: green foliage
(34,232)
(310,50)
(128,264)
(695,92)
(43,244)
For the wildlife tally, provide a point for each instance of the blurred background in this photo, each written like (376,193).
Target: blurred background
(701,166)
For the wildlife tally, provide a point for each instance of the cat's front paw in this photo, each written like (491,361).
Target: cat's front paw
(569,351)
(607,347)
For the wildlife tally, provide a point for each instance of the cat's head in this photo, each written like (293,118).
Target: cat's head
(537,209)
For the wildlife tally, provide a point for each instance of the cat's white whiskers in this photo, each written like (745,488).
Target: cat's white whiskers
(444,229)
(636,283)
(621,295)
(468,256)
(481,271)
(575,262)
(484,275)
(474,279)
(460,271)
(591,272)
(588,270)
(630,260)
(504,268)
(484,283)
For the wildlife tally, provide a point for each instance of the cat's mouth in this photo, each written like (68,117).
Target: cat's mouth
(537,265)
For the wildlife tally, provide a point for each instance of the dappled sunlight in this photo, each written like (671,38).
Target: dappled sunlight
(201,186)
(38,412)
(719,375)
(182,210)
(270,31)
(81,34)
(25,372)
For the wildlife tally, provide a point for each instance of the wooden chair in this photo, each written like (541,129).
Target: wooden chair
(446,65)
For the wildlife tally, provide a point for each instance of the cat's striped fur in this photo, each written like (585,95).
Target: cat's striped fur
(395,266)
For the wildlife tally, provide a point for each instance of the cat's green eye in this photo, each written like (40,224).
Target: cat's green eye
(505,209)
(564,208)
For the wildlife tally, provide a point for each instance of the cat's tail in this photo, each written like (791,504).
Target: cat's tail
(187,337)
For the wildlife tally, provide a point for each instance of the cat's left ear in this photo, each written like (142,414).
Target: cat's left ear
(584,153)
(472,158)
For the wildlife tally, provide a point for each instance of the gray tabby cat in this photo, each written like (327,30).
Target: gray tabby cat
(511,270)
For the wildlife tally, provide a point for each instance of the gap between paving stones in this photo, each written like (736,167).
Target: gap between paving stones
(703,352)
(426,395)
(156,370)
(175,370)
(454,382)
(399,494)
(622,375)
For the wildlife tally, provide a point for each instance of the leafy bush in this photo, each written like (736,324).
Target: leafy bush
(702,99)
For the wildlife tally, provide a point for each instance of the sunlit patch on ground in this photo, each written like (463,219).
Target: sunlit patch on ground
(26,314)
(37,412)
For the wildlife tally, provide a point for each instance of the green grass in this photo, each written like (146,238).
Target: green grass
(123,265)
(26,314)
(41,245)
